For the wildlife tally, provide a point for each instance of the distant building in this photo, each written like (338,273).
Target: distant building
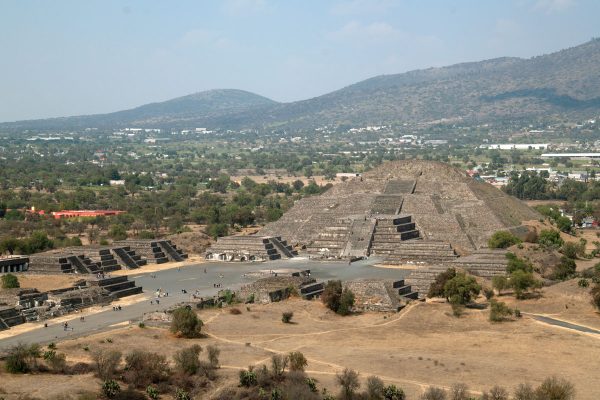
(516,146)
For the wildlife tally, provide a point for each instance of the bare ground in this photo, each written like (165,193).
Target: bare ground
(422,345)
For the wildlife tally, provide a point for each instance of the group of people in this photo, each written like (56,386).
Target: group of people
(117,308)
(101,275)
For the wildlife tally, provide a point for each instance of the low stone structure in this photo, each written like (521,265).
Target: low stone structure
(14,264)
(21,305)
(250,248)
(380,295)
(274,288)
(155,251)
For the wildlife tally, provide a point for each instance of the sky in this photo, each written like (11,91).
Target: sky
(73,57)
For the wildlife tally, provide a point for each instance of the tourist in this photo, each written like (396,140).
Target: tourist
(151,302)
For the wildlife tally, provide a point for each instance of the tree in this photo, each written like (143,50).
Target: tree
(117,232)
(459,391)
(22,358)
(502,240)
(348,380)
(10,245)
(346,302)
(279,364)
(461,289)
(213,355)
(521,282)
(186,323)
(10,281)
(331,294)
(500,283)
(286,317)
(436,289)
(524,392)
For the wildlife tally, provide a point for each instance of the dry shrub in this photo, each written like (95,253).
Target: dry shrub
(144,368)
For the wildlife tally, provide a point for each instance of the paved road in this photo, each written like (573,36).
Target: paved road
(563,324)
(192,278)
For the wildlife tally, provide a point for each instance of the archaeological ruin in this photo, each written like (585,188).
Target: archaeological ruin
(424,214)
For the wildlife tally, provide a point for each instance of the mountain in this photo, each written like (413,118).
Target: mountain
(211,104)
(564,83)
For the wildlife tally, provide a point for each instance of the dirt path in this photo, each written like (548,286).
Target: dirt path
(329,365)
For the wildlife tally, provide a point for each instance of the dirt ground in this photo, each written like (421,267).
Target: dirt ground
(319,179)
(420,346)
(46,282)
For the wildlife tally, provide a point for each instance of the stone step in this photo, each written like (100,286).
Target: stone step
(127,292)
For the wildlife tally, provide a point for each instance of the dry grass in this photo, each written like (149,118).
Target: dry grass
(422,345)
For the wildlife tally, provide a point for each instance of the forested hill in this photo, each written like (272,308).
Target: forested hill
(565,83)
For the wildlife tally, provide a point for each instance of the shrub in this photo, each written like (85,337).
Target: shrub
(570,250)
(461,289)
(10,281)
(106,363)
(279,364)
(550,238)
(287,316)
(555,389)
(56,361)
(234,311)
(517,264)
(110,388)
(392,392)
(375,388)
(436,289)
(565,269)
(141,325)
(248,378)
(213,355)
(499,311)
(459,391)
(187,360)
(181,394)
(488,293)
(152,392)
(22,358)
(186,323)
(595,293)
(502,240)
(297,361)
(144,368)
(583,283)
(433,393)
(524,392)
(496,393)
(348,380)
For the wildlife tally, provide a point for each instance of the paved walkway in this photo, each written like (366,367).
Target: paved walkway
(192,278)
(563,324)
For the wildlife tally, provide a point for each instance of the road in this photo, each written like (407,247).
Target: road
(192,278)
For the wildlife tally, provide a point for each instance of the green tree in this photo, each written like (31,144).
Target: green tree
(461,289)
(186,323)
(502,240)
(521,282)
(10,281)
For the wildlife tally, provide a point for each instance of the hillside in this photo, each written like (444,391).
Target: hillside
(564,83)
(202,106)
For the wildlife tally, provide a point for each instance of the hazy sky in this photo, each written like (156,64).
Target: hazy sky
(84,57)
